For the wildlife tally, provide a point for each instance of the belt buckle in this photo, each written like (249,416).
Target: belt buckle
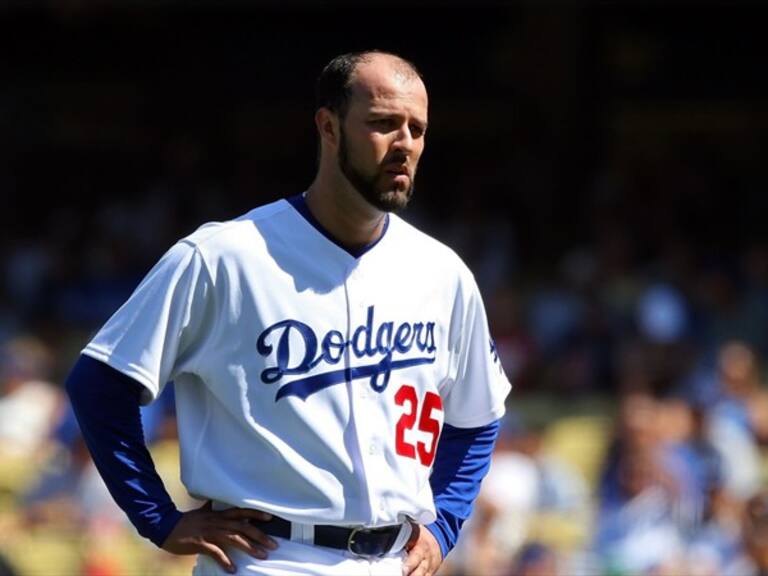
(351,543)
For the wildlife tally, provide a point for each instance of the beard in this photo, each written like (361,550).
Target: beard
(386,197)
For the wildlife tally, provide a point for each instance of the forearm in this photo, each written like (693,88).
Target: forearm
(106,404)
(462,461)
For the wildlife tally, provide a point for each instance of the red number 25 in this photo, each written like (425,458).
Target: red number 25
(407,395)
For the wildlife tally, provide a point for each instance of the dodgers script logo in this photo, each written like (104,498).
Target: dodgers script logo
(367,341)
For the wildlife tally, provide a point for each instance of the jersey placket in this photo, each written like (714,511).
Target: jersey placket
(362,397)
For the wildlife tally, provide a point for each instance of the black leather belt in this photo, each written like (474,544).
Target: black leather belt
(367,542)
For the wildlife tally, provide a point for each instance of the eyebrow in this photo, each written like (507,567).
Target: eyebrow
(382,113)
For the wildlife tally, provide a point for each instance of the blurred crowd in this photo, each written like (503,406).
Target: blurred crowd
(667,483)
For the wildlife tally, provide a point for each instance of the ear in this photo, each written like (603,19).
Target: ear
(327,123)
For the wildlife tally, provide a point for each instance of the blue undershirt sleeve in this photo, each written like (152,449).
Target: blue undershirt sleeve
(106,404)
(462,461)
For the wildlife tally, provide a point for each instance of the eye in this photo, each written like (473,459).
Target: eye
(417,130)
(383,124)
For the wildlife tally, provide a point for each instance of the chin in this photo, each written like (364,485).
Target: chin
(393,200)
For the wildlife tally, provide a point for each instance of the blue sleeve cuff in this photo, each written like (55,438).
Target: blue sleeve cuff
(164,528)
(439,533)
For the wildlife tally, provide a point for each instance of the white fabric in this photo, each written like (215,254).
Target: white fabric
(241,311)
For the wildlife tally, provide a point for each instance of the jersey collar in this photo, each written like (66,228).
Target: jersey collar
(299,203)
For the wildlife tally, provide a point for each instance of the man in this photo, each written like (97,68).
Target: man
(319,347)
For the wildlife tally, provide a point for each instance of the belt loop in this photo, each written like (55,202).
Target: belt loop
(303,533)
(407,530)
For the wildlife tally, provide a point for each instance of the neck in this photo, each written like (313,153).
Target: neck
(344,213)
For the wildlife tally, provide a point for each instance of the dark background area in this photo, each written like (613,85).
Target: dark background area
(577,138)
(532,103)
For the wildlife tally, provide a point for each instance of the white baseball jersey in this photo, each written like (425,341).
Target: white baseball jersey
(310,383)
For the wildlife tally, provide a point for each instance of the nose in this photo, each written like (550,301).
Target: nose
(404,140)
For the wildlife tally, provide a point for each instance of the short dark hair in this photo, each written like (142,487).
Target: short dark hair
(334,86)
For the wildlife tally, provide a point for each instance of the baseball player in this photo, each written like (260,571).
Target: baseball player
(338,392)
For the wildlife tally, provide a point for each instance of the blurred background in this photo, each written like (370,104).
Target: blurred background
(601,166)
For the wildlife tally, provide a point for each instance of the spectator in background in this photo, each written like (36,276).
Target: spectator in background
(744,396)
(706,515)
(636,532)
(636,528)
(739,418)
(29,403)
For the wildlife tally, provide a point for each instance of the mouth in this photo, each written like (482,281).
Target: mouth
(401,178)
(398,170)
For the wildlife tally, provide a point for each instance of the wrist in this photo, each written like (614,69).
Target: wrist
(164,527)
(437,533)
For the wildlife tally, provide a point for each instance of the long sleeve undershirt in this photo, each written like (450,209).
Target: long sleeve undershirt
(462,461)
(106,403)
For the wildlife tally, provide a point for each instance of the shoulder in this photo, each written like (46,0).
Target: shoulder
(429,253)
(217,240)
(212,234)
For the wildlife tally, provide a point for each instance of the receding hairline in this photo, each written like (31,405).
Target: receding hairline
(357,71)
(402,67)
(384,68)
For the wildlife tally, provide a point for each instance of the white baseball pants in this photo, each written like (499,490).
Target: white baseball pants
(296,559)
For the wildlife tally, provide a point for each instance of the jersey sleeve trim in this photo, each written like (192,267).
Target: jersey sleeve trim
(130,369)
(480,421)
